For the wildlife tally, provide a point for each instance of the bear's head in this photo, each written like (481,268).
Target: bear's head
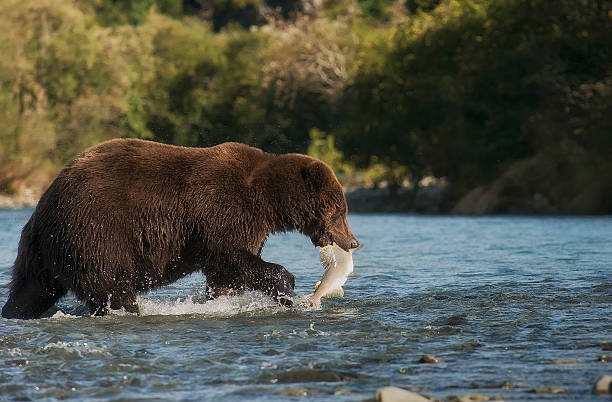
(326,222)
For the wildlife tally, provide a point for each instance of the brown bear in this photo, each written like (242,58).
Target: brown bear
(127,216)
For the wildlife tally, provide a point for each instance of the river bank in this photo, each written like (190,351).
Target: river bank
(503,197)
(544,184)
(12,201)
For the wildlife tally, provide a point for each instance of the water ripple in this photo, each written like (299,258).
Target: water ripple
(507,305)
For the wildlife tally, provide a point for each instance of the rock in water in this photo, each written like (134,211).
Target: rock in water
(603,385)
(548,390)
(428,359)
(308,375)
(295,392)
(395,394)
(338,266)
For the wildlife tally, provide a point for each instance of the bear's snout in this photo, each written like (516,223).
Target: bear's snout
(344,240)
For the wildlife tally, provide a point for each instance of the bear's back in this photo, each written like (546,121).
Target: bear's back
(127,171)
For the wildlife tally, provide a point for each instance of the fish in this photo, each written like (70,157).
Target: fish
(338,267)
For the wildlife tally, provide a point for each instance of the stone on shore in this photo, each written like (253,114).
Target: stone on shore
(26,200)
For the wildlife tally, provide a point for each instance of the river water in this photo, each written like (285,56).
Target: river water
(509,305)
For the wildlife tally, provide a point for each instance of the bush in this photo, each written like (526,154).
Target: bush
(66,84)
(457,92)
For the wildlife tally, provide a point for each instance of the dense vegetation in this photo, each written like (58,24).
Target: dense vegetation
(384,90)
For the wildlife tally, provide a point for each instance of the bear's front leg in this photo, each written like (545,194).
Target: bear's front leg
(240,270)
(275,281)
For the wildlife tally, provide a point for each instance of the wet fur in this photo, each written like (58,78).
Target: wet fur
(128,216)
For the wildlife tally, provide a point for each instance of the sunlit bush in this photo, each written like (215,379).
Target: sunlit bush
(65,84)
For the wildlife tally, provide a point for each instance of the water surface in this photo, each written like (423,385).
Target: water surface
(508,304)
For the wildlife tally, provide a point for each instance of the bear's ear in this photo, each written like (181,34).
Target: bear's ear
(315,175)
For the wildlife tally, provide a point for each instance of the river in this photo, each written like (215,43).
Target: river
(517,308)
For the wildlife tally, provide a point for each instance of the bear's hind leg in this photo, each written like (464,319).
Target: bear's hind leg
(30,299)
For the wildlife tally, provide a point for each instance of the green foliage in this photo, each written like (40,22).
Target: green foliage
(118,12)
(322,146)
(65,84)
(374,8)
(421,5)
(457,91)
(212,88)
(382,90)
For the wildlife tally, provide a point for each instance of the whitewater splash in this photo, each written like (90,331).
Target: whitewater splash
(80,349)
(252,302)
(248,302)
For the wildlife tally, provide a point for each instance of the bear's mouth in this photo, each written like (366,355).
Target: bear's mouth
(328,239)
